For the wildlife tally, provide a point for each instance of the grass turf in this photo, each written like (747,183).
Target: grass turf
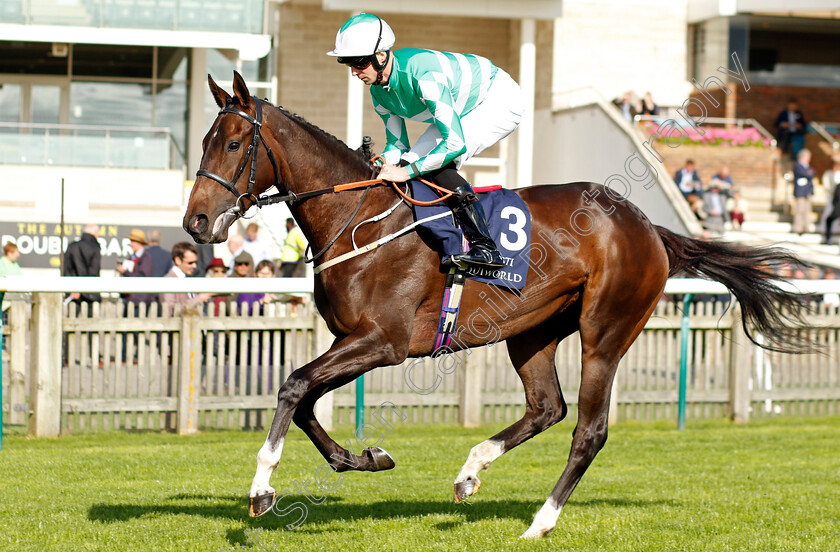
(769,485)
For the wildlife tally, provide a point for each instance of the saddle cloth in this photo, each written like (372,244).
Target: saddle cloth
(510,227)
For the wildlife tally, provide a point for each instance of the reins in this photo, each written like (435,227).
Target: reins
(291,197)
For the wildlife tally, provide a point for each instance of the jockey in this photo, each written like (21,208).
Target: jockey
(470,103)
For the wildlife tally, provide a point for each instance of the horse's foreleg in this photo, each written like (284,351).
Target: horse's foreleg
(339,458)
(367,347)
(532,354)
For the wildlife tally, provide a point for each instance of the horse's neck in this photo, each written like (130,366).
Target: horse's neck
(320,165)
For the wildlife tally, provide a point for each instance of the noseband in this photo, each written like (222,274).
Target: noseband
(251,154)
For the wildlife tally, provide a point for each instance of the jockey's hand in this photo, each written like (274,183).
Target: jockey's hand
(392,173)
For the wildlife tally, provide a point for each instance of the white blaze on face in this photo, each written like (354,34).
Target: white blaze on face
(480,457)
(267,461)
(544,521)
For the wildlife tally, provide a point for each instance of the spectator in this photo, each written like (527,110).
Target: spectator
(256,247)
(235,246)
(784,271)
(243,266)
(696,205)
(139,265)
(217,269)
(831,183)
(688,181)
(205,255)
(265,269)
(714,203)
(803,189)
(84,258)
(724,180)
(628,105)
(184,258)
(8,263)
(648,107)
(161,258)
(831,298)
(790,129)
(736,206)
(291,260)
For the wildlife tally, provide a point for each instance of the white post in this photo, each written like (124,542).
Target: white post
(45,376)
(527,81)
(18,328)
(189,374)
(197,96)
(355,110)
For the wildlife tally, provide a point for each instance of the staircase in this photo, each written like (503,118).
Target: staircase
(769,218)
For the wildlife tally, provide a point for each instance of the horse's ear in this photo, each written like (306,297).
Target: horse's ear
(240,89)
(219,95)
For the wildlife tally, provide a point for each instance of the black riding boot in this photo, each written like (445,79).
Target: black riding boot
(466,207)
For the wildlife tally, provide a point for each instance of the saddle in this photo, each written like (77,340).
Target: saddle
(509,221)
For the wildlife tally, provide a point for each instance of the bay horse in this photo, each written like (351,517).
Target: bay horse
(384,306)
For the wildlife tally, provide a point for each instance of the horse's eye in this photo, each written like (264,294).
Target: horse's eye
(233,146)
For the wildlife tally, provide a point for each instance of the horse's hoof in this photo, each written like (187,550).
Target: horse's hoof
(467,488)
(260,504)
(381,459)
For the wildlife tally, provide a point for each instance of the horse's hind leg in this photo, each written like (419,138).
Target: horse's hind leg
(604,340)
(532,354)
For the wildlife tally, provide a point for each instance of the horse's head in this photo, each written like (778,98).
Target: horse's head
(234,168)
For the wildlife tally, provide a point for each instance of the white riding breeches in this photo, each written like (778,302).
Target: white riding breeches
(490,121)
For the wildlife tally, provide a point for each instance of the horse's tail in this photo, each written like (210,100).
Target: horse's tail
(746,271)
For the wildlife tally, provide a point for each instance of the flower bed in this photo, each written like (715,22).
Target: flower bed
(714,136)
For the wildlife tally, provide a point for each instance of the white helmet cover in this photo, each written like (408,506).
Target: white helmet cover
(363,35)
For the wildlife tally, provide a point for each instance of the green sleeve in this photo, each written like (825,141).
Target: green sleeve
(396,135)
(438,100)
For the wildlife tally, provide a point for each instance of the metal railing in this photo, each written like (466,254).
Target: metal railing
(89,146)
(245,16)
(823,129)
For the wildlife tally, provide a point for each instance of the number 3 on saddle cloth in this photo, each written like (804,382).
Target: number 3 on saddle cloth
(509,221)
(510,227)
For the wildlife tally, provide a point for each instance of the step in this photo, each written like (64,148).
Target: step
(762,226)
(760,216)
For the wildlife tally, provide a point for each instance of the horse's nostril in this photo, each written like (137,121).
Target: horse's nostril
(198,224)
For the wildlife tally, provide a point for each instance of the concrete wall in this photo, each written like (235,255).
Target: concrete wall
(586,144)
(618,46)
(92,195)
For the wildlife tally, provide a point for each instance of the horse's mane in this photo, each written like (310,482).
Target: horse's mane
(325,137)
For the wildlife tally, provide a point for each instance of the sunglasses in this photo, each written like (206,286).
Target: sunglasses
(243,264)
(191,262)
(360,63)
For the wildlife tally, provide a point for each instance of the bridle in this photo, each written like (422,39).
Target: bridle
(251,154)
(290,197)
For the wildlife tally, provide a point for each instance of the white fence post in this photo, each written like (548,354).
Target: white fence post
(739,370)
(18,326)
(188,391)
(322,340)
(45,378)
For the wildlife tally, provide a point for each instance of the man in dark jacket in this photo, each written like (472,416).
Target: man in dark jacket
(161,258)
(790,129)
(139,265)
(83,258)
